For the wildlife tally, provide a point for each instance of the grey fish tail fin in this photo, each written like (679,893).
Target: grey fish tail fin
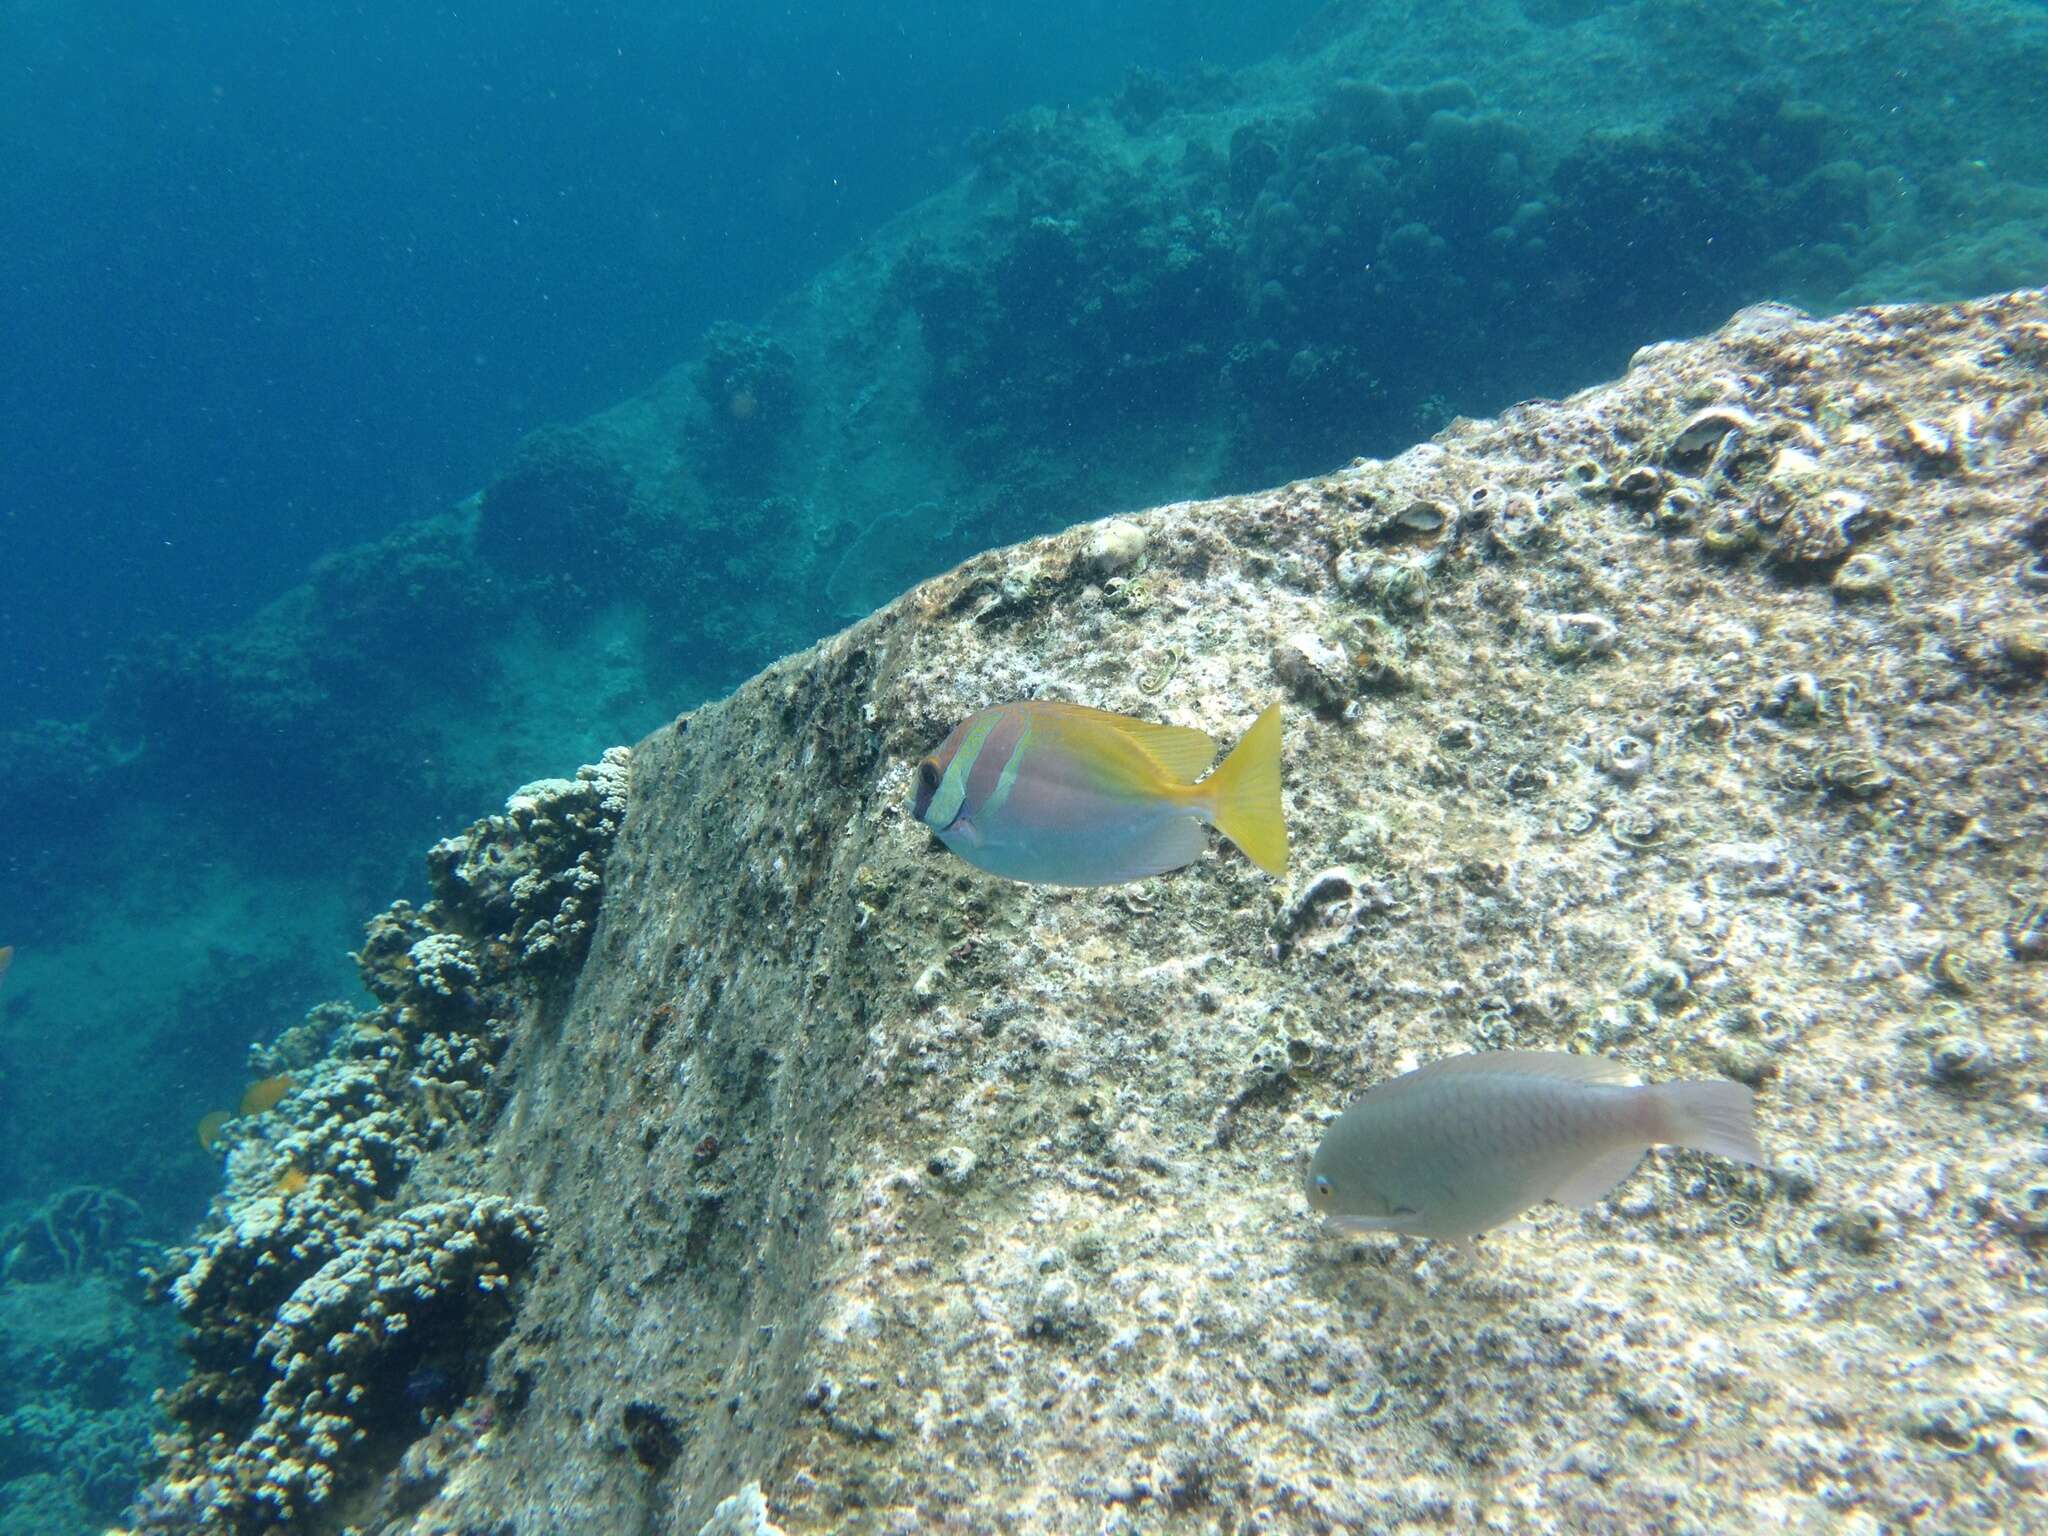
(1712,1116)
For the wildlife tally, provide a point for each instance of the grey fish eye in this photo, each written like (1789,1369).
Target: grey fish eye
(1322,1184)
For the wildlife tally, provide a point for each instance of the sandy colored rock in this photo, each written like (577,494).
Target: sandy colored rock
(931,1202)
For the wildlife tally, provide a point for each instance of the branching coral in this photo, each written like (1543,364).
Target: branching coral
(75,1231)
(532,878)
(310,1304)
(429,1286)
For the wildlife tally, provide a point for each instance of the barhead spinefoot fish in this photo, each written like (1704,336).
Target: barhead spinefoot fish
(1059,794)
(1464,1144)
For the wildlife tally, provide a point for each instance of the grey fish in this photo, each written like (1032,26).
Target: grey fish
(1469,1142)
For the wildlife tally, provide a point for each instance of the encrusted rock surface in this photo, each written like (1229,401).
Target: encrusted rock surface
(929,1202)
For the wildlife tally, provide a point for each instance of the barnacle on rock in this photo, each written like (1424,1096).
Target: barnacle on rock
(1951,969)
(1424,517)
(1624,757)
(1114,548)
(1316,671)
(952,1166)
(1580,636)
(1697,439)
(1520,526)
(1930,443)
(1378,655)
(1587,477)
(2019,1447)
(1796,696)
(2027,934)
(1400,586)
(2023,647)
(1817,531)
(1663,982)
(1679,507)
(1641,482)
(1862,1229)
(1396,503)
(1854,774)
(1576,821)
(1797,1173)
(1637,826)
(1747,1061)
(1960,1059)
(1730,529)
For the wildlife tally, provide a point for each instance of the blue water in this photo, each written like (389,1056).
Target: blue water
(280,287)
(278,278)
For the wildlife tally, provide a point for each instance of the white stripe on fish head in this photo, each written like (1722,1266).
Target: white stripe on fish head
(950,798)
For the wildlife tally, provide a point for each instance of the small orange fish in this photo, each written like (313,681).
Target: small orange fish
(258,1097)
(210,1127)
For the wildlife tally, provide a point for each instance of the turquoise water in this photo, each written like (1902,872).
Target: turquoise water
(312,554)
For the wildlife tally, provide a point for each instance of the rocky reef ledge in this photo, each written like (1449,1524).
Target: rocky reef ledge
(723,1155)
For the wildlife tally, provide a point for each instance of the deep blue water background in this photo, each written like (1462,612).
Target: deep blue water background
(278,277)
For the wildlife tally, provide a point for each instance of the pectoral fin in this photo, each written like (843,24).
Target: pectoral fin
(1588,1183)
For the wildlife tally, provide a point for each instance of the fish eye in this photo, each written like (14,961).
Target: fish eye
(1323,1186)
(928,776)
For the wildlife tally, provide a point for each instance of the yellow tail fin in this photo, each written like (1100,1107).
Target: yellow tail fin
(1244,795)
